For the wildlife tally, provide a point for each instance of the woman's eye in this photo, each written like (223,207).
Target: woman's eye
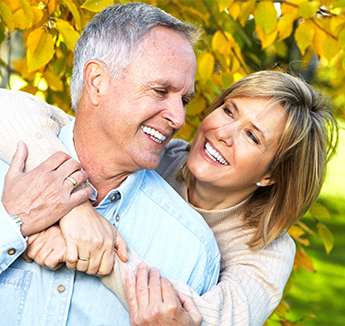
(228,111)
(252,137)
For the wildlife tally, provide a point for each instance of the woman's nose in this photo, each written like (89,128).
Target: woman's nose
(226,134)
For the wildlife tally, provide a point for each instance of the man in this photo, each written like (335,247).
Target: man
(133,74)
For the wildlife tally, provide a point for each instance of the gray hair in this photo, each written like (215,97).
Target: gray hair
(114,37)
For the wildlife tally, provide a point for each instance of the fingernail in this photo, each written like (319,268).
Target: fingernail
(141,265)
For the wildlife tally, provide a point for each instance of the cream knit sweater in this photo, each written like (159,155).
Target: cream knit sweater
(251,283)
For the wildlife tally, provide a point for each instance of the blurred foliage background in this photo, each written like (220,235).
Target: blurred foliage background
(305,38)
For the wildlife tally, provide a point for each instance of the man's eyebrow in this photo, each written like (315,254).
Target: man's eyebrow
(251,123)
(167,84)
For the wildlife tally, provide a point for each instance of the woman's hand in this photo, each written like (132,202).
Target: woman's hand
(153,301)
(47,248)
(90,240)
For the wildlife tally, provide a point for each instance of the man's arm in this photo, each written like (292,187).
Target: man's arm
(34,201)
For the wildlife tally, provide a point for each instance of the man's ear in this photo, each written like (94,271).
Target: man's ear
(267,180)
(96,78)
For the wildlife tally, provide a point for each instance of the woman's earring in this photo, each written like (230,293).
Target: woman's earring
(258,184)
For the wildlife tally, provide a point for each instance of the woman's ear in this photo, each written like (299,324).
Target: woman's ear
(268,180)
(96,78)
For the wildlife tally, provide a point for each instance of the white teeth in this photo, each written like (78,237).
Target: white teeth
(155,135)
(214,155)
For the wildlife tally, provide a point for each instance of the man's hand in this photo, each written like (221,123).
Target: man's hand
(153,301)
(90,240)
(41,197)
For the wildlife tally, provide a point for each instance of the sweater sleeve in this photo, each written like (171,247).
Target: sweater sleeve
(28,118)
(250,287)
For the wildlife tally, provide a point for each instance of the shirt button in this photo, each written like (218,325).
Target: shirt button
(38,135)
(117,218)
(61,288)
(131,267)
(11,251)
(51,150)
(112,197)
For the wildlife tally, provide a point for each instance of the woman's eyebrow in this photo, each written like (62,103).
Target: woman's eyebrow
(234,105)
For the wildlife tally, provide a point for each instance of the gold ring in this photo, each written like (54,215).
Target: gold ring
(84,259)
(73,181)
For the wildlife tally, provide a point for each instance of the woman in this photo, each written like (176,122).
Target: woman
(256,165)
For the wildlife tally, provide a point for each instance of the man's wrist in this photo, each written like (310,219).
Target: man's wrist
(18,222)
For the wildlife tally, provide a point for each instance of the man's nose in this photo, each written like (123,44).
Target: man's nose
(175,114)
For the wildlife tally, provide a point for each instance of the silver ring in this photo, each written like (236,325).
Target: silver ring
(73,181)
(84,259)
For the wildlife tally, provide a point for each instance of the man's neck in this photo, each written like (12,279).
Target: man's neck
(102,171)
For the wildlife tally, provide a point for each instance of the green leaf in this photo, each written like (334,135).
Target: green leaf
(69,34)
(326,236)
(7,16)
(318,210)
(308,9)
(341,39)
(96,5)
(266,16)
(43,53)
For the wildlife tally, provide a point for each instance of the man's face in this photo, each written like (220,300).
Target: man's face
(145,108)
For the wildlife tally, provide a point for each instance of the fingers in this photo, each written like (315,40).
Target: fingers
(18,160)
(107,263)
(71,257)
(189,305)
(132,296)
(142,285)
(169,295)
(121,247)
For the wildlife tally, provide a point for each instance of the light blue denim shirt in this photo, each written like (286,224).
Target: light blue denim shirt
(154,221)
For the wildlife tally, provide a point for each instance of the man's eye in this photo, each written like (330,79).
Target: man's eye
(228,112)
(185,101)
(160,91)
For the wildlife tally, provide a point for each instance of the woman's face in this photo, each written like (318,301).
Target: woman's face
(235,145)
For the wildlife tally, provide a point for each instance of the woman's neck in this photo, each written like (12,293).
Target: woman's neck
(208,198)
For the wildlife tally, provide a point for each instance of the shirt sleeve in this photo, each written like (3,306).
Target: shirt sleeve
(28,118)
(249,289)
(12,243)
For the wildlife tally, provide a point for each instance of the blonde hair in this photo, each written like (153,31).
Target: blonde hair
(308,141)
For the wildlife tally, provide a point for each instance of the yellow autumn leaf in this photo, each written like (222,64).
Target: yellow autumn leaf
(266,39)
(69,34)
(308,9)
(96,5)
(29,89)
(341,39)
(330,48)
(296,232)
(290,6)
(7,16)
(337,24)
(246,9)
(197,105)
(20,20)
(43,54)
(206,66)
(33,39)
(234,10)
(266,16)
(14,5)
(51,6)
(319,38)
(27,11)
(222,42)
(304,35)
(224,4)
(303,261)
(285,24)
(38,15)
(54,82)
(74,10)
(326,236)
